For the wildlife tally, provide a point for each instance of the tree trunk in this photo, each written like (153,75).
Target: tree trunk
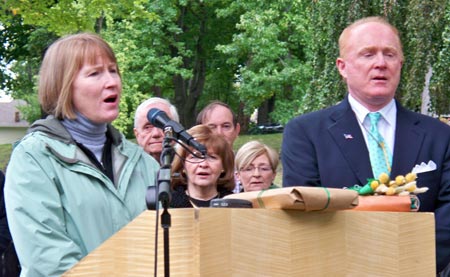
(264,111)
(188,91)
(426,92)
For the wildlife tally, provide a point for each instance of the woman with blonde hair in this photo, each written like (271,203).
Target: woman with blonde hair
(256,165)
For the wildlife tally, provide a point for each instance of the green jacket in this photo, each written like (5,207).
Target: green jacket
(60,206)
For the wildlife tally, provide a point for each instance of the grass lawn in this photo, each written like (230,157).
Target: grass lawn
(5,153)
(273,140)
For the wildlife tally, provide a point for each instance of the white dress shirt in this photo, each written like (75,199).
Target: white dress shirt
(386,124)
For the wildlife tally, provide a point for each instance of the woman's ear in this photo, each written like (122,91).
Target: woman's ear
(237,176)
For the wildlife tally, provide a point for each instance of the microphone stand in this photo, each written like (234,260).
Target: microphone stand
(164,195)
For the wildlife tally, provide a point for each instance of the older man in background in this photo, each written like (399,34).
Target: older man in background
(148,136)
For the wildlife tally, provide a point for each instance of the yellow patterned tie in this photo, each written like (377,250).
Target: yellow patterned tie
(380,157)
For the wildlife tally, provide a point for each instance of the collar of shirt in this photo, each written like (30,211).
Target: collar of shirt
(386,125)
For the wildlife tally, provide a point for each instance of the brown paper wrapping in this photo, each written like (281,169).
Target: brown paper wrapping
(384,203)
(301,198)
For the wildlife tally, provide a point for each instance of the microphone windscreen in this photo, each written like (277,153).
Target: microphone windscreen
(157,117)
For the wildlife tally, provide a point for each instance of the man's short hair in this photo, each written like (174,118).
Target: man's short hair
(211,106)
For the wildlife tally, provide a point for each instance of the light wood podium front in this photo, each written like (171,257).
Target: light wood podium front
(259,242)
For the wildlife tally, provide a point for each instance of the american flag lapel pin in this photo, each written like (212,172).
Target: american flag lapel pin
(348,136)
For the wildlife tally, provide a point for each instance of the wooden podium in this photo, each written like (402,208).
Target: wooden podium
(259,242)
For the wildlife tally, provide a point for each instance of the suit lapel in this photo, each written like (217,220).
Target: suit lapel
(408,141)
(345,130)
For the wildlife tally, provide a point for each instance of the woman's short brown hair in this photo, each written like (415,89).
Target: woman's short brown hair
(212,142)
(60,66)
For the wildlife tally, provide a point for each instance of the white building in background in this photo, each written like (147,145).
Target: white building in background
(12,125)
(10,116)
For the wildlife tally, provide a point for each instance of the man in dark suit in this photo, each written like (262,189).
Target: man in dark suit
(9,263)
(330,147)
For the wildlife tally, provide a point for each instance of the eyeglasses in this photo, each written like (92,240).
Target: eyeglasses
(198,158)
(251,169)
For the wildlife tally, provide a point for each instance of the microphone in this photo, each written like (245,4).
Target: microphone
(161,120)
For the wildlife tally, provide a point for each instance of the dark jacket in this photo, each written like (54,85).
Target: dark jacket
(327,148)
(9,263)
(5,236)
(181,200)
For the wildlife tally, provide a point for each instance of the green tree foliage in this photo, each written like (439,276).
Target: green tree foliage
(67,16)
(21,57)
(421,40)
(173,54)
(440,82)
(246,53)
(271,52)
(300,37)
(31,26)
(165,48)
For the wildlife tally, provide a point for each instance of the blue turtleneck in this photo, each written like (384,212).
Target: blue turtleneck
(91,135)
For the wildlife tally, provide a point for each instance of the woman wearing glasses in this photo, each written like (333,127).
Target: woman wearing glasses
(256,165)
(199,179)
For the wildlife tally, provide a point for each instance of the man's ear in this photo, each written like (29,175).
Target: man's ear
(340,64)
(238,128)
